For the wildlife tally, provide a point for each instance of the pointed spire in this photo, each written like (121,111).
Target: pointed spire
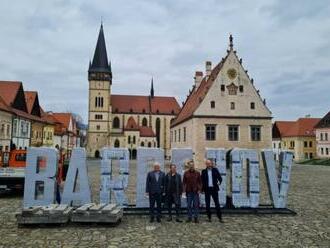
(231,45)
(152,88)
(100,59)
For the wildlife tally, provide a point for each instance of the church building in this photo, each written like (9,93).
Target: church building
(128,121)
(223,109)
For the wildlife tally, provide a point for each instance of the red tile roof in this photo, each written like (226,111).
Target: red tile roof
(4,106)
(281,127)
(144,104)
(147,132)
(8,91)
(303,127)
(131,124)
(197,96)
(63,118)
(30,97)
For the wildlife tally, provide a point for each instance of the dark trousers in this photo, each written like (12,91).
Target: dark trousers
(214,193)
(155,198)
(192,204)
(173,198)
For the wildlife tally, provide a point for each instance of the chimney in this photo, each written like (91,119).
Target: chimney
(198,79)
(208,68)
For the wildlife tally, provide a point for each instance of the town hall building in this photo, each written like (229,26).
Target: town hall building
(223,109)
(128,121)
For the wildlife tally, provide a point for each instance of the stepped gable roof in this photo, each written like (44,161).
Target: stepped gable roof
(197,96)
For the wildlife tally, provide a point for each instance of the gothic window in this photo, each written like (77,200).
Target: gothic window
(144,122)
(158,131)
(116,123)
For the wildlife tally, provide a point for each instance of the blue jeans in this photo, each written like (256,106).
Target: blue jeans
(192,204)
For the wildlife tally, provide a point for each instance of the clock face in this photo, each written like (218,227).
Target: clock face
(232,73)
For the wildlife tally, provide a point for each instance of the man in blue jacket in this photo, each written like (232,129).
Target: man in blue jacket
(211,179)
(155,189)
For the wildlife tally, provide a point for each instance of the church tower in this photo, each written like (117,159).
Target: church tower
(99,105)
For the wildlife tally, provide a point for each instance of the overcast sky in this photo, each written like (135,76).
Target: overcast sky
(285,46)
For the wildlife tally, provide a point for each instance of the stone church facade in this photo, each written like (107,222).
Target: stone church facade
(223,109)
(128,121)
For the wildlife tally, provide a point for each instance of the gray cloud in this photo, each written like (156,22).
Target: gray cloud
(284,45)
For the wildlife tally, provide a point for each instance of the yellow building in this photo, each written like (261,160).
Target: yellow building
(124,120)
(296,136)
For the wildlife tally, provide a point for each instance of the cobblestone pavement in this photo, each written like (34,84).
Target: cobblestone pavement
(309,196)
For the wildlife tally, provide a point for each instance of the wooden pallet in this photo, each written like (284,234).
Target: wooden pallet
(97,213)
(52,214)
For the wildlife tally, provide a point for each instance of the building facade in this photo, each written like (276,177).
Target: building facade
(223,109)
(323,137)
(296,136)
(5,126)
(124,120)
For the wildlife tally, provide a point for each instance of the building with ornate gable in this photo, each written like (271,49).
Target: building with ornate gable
(323,137)
(223,109)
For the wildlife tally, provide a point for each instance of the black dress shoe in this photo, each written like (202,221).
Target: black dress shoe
(178,220)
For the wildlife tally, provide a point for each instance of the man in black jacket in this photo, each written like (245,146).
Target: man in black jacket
(173,189)
(211,179)
(155,189)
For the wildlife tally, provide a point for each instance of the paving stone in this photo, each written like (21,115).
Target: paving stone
(309,196)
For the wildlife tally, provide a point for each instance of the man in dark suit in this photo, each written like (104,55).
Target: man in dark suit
(155,189)
(211,179)
(173,190)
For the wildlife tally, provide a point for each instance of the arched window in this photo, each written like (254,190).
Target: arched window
(142,143)
(144,122)
(149,144)
(116,122)
(117,143)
